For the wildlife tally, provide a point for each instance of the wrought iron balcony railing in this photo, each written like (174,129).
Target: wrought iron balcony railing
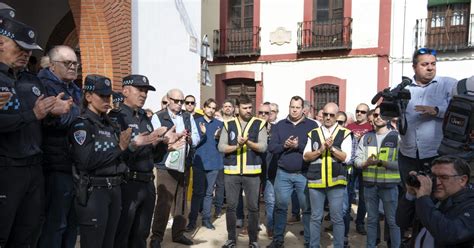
(445,32)
(334,34)
(234,42)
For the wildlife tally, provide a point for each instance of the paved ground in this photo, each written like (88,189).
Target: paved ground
(205,238)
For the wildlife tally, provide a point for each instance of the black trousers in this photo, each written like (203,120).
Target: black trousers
(98,220)
(138,203)
(21,205)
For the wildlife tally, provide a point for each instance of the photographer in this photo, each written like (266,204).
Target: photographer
(430,96)
(446,221)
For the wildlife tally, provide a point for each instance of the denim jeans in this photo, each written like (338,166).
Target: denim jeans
(336,200)
(220,192)
(356,179)
(199,191)
(233,186)
(269,197)
(285,183)
(389,197)
(211,176)
(295,204)
(60,228)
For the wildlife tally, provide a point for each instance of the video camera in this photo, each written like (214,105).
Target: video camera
(394,103)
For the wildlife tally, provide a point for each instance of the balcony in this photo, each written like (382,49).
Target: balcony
(235,42)
(334,34)
(445,33)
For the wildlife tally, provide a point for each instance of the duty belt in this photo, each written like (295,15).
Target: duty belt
(140,176)
(108,182)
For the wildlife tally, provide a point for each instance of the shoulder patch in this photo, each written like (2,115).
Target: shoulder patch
(232,135)
(80,136)
(36,91)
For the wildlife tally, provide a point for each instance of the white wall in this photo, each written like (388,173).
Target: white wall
(282,80)
(161,46)
(280,13)
(365,25)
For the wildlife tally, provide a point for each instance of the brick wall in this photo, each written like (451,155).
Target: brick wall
(104,31)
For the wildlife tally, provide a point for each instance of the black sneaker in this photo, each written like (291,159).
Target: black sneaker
(360,229)
(254,245)
(229,244)
(276,244)
(190,228)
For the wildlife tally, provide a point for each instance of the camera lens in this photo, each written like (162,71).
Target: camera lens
(412,181)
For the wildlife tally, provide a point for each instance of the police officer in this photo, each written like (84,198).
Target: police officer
(96,147)
(9,12)
(138,193)
(21,176)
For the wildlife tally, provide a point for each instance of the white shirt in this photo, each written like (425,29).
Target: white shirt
(346,145)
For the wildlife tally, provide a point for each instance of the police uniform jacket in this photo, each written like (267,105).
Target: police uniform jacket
(326,171)
(388,175)
(141,159)
(20,142)
(95,146)
(55,128)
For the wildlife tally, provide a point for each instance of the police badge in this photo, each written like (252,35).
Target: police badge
(36,91)
(315,146)
(232,135)
(80,136)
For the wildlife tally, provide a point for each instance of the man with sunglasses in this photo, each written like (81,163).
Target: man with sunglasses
(171,184)
(377,156)
(60,228)
(287,143)
(430,96)
(441,209)
(358,128)
(328,149)
(190,106)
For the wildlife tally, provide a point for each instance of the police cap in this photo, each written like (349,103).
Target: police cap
(138,81)
(117,97)
(98,84)
(6,10)
(21,33)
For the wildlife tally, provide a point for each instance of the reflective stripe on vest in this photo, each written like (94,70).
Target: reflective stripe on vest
(326,162)
(241,166)
(387,152)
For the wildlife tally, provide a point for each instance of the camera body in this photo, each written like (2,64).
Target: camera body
(413,181)
(394,103)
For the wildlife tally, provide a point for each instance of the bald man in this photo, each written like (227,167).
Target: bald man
(328,149)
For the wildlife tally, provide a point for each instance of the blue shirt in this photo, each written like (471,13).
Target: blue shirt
(424,133)
(207,155)
(290,160)
(179,123)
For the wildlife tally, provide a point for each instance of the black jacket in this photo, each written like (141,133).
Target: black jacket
(141,159)
(451,224)
(95,146)
(20,131)
(55,145)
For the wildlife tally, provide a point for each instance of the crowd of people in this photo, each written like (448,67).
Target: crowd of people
(74,160)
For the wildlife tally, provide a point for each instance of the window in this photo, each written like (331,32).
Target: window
(447,25)
(324,93)
(240,14)
(325,10)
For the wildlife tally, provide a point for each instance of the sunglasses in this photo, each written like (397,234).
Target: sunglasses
(164,102)
(361,111)
(341,122)
(329,114)
(426,51)
(189,103)
(176,101)
(263,112)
